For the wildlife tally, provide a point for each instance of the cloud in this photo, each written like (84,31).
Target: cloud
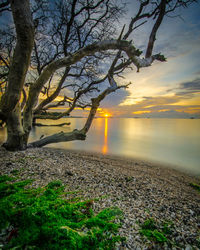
(114,99)
(187,88)
(163,106)
(191,86)
(169,114)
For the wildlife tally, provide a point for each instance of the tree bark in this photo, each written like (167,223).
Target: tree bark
(59,137)
(51,125)
(22,53)
(16,138)
(47,117)
(15,134)
(156,26)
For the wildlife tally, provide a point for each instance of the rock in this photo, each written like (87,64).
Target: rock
(9,164)
(192,212)
(188,247)
(68,173)
(178,239)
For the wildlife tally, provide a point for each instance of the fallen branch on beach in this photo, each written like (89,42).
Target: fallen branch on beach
(52,125)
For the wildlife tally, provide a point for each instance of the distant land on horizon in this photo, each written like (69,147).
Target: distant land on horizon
(167,114)
(134,117)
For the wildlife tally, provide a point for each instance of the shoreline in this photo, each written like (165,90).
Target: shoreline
(129,159)
(141,189)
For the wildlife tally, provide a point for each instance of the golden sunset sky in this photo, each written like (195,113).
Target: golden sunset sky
(169,89)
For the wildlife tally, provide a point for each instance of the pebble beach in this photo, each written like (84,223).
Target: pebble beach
(141,189)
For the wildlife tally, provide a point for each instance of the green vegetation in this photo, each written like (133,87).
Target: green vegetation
(196,186)
(155,231)
(44,218)
(15,172)
(26,158)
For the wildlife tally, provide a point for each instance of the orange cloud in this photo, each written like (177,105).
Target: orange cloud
(141,112)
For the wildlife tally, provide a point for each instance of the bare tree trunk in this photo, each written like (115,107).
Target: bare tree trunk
(15,133)
(22,53)
(16,138)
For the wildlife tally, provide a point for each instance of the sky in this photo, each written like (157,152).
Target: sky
(164,90)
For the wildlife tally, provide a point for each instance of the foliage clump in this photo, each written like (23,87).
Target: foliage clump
(195,186)
(155,231)
(43,218)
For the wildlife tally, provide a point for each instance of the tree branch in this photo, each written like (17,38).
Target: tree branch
(96,102)
(67,62)
(156,26)
(52,125)
(3,5)
(146,62)
(59,137)
(54,94)
(79,134)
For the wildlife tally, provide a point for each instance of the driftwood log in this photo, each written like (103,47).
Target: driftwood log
(52,125)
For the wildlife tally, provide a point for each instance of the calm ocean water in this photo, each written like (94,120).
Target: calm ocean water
(171,141)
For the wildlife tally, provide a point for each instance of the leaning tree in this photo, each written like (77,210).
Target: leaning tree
(59,47)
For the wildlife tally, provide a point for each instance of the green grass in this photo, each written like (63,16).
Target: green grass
(44,218)
(196,186)
(156,231)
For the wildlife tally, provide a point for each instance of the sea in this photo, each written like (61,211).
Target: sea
(173,142)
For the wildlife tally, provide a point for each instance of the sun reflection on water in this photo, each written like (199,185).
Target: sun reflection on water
(105,146)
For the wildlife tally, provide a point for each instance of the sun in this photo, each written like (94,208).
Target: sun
(106,115)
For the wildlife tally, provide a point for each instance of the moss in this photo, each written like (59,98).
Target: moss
(156,231)
(15,172)
(196,186)
(44,218)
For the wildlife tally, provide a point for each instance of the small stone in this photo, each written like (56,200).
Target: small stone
(192,212)
(68,173)
(188,247)
(81,178)
(8,164)
(178,239)
(162,209)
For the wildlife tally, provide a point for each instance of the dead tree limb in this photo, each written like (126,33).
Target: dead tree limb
(52,125)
